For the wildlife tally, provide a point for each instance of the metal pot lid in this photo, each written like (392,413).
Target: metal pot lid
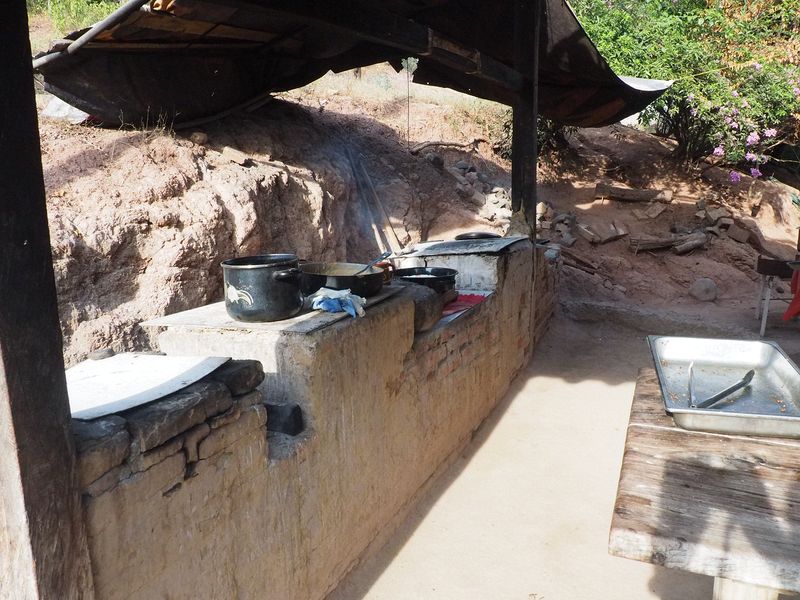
(260,261)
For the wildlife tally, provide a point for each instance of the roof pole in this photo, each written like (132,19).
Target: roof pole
(524,145)
(43,548)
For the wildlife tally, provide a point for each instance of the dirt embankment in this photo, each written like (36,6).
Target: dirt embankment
(141,219)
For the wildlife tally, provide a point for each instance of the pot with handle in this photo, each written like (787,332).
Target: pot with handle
(262,288)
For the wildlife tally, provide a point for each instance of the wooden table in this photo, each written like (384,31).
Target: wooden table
(721,505)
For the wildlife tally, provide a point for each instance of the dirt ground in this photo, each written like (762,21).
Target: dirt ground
(141,217)
(499,525)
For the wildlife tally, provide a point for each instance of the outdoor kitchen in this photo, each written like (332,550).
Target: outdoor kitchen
(280,468)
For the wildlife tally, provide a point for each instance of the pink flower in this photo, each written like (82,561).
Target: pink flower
(735,94)
(745,103)
(735,177)
(751,157)
(734,125)
(770,133)
(690,97)
(755,172)
(728,120)
(796,91)
(757,66)
(719,151)
(752,139)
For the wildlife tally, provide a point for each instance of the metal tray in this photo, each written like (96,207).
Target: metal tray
(767,407)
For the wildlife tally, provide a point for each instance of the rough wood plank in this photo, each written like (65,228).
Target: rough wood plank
(622,194)
(725,589)
(693,242)
(720,505)
(43,551)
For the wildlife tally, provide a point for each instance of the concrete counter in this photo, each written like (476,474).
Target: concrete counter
(283,517)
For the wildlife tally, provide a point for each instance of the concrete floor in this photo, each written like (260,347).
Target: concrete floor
(524,512)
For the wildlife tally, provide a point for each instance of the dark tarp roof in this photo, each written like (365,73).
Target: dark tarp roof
(181,60)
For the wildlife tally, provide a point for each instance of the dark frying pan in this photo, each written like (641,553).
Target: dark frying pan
(340,276)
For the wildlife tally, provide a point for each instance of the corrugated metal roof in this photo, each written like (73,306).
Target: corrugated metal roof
(187,59)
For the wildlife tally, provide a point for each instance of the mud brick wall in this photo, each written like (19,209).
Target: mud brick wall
(213,505)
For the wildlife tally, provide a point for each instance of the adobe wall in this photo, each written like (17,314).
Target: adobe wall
(192,497)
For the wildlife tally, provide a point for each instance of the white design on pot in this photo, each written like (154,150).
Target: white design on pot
(235,296)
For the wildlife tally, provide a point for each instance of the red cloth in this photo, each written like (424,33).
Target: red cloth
(463,302)
(794,305)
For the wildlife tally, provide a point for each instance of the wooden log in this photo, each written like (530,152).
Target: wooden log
(622,194)
(416,149)
(692,242)
(43,549)
(639,244)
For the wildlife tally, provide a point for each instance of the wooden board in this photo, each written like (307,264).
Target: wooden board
(103,387)
(214,316)
(721,505)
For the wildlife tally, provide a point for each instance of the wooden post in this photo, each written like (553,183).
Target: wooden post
(524,141)
(726,589)
(43,550)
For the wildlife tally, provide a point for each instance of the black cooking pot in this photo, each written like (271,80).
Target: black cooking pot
(262,288)
(341,276)
(436,278)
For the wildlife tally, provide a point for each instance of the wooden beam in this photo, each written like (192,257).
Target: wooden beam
(43,550)
(388,29)
(524,143)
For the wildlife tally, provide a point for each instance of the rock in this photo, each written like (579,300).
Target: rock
(716,213)
(567,239)
(199,138)
(501,212)
(235,156)
(545,225)
(428,305)
(740,234)
(240,376)
(471,177)
(101,445)
(701,205)
(436,160)
(640,214)
(704,289)
(157,422)
(464,190)
(483,178)
(655,210)
(725,222)
(462,165)
(562,228)
(100,354)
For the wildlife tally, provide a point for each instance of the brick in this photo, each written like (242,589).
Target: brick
(155,423)
(253,418)
(101,445)
(240,376)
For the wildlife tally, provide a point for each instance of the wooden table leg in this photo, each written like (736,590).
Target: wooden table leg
(727,589)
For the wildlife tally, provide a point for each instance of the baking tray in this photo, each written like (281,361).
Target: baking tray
(767,407)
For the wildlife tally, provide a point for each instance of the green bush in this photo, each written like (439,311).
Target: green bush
(71,15)
(736,92)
